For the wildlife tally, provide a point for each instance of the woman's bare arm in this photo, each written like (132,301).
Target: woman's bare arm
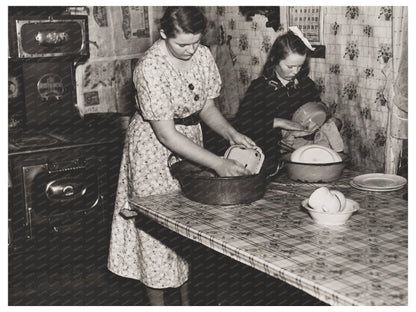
(175,141)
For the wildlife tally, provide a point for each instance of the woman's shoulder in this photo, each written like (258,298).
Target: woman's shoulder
(203,53)
(204,50)
(154,52)
(152,59)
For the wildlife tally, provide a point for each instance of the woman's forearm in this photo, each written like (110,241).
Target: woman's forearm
(216,121)
(175,141)
(183,146)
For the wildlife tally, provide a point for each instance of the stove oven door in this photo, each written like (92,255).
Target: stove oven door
(63,202)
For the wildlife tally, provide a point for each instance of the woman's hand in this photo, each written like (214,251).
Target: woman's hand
(216,121)
(231,168)
(239,138)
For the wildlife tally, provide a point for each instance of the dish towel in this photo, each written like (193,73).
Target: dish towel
(329,136)
(228,102)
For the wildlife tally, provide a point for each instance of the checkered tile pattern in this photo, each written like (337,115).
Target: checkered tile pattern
(363,262)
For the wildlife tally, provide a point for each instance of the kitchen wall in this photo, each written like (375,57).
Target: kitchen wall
(352,76)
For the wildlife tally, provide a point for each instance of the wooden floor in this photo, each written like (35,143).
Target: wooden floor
(215,280)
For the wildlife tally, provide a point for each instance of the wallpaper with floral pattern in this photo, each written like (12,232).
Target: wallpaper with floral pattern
(351,77)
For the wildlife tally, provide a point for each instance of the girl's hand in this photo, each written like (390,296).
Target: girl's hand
(231,168)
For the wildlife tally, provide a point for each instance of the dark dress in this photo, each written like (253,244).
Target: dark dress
(266,100)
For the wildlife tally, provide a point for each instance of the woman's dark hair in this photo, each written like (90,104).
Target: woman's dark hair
(284,45)
(187,19)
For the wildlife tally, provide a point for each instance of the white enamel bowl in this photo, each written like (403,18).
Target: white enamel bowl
(327,218)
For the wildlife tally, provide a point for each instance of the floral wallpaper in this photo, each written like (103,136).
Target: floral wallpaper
(352,77)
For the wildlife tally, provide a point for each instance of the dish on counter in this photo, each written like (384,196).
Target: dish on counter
(328,218)
(379,181)
(386,189)
(314,173)
(315,154)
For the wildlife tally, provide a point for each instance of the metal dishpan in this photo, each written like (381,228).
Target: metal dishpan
(202,185)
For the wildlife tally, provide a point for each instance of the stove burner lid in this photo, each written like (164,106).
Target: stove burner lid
(34,140)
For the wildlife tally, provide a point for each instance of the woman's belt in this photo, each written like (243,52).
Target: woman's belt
(190,120)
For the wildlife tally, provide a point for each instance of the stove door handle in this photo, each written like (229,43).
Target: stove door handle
(29,233)
(99,199)
(65,189)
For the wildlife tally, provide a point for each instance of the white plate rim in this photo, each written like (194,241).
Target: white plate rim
(358,187)
(321,148)
(379,188)
(400,181)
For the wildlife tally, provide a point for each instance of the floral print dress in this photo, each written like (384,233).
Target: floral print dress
(163,93)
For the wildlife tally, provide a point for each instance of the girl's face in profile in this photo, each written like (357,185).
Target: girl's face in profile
(183,46)
(289,67)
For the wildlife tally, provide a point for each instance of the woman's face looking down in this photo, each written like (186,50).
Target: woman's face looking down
(183,46)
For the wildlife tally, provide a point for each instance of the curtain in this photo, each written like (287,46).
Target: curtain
(397,129)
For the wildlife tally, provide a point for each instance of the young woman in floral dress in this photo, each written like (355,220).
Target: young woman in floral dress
(176,82)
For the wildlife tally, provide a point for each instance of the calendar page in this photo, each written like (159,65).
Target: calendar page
(308,19)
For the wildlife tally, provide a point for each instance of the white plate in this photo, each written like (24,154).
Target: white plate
(379,181)
(315,154)
(250,158)
(375,189)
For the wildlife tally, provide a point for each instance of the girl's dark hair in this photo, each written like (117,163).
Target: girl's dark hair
(187,19)
(284,45)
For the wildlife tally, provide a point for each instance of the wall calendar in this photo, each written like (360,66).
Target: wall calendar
(309,21)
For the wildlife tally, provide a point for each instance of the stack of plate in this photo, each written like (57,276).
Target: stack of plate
(378,182)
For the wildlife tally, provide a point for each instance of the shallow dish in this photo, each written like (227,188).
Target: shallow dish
(314,113)
(370,189)
(326,218)
(251,158)
(379,181)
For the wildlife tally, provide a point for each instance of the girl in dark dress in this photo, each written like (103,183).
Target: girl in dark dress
(272,99)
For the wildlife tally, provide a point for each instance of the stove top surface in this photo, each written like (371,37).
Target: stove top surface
(36,140)
(31,140)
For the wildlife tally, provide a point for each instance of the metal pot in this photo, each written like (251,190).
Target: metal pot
(314,172)
(202,185)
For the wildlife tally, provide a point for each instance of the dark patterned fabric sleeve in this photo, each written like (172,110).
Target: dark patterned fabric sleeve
(255,119)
